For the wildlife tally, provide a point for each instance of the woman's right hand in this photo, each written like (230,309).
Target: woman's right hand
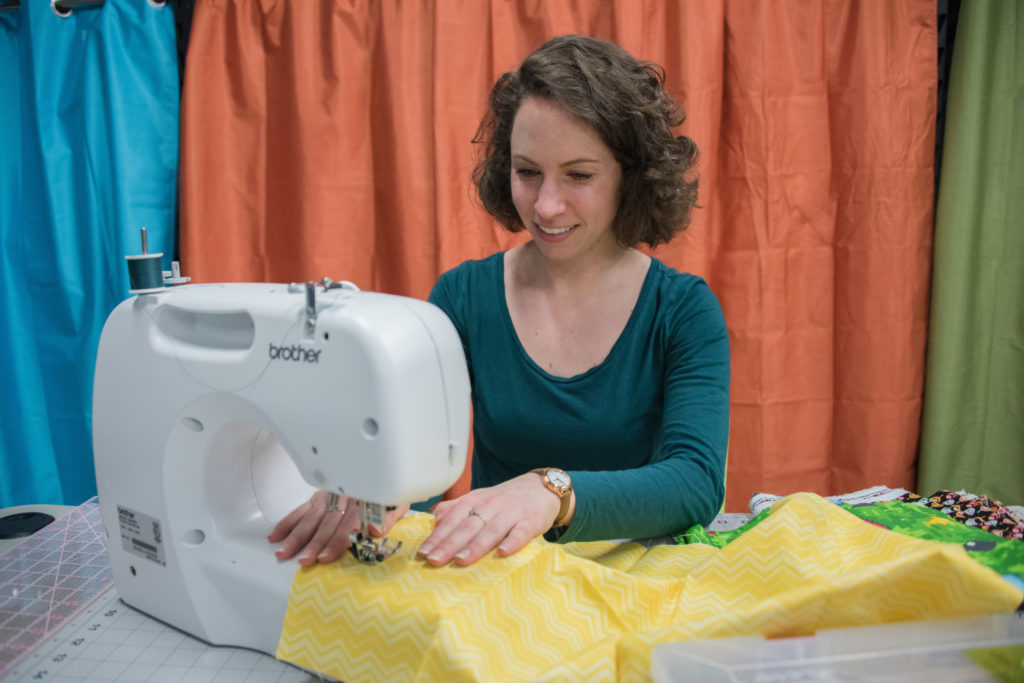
(318,535)
(314,533)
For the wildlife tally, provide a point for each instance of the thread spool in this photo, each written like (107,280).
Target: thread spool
(144,272)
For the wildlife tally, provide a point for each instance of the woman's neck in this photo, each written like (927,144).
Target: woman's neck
(591,273)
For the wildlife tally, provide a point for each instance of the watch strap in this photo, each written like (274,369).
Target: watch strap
(564,495)
(563,509)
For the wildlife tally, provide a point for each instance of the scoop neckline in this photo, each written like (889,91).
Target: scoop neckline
(611,353)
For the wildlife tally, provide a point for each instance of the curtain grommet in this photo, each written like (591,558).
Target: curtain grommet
(64,8)
(63,13)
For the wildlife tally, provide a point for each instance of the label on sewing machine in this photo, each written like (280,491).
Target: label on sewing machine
(141,534)
(372,513)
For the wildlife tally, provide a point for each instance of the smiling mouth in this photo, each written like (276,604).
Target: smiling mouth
(554,231)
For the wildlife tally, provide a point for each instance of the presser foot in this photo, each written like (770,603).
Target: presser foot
(369,551)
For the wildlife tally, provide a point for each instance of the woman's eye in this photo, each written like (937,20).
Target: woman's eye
(579,176)
(526,173)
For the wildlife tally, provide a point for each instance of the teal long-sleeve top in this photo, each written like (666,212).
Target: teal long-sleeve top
(643,434)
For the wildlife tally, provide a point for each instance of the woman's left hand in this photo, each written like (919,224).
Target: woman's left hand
(505,517)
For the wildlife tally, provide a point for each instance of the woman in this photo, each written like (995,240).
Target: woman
(600,376)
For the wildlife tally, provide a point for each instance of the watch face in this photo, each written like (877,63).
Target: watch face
(559,478)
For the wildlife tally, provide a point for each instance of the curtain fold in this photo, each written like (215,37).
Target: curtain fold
(333,138)
(973,427)
(88,156)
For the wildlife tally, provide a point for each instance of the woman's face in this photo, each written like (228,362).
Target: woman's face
(565,180)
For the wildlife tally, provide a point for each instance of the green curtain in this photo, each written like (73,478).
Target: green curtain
(973,429)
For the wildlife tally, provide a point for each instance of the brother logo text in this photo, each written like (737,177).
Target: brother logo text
(294,352)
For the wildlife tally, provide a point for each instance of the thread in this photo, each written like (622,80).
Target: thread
(144,273)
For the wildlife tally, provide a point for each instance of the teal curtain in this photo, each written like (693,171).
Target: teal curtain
(973,429)
(88,156)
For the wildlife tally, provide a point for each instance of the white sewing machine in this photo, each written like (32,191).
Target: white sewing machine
(218,408)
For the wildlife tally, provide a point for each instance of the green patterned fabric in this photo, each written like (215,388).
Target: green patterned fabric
(1002,555)
(719,539)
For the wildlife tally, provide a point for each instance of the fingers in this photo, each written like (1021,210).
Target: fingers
(444,507)
(389,521)
(313,533)
(285,526)
(515,540)
(467,534)
(464,536)
(491,537)
(503,518)
(506,517)
(295,530)
(331,537)
(318,535)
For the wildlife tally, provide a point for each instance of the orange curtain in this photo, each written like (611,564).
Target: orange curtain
(332,138)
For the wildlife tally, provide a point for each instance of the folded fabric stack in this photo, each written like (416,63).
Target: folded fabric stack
(973,510)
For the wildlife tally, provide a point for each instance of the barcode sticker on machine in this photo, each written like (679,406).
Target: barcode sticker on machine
(141,535)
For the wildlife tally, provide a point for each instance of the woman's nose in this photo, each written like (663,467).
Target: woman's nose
(549,202)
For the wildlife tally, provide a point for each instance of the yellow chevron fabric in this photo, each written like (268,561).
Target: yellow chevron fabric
(594,611)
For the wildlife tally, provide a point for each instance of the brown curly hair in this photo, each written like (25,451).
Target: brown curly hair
(625,101)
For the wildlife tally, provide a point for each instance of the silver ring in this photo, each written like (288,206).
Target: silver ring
(474,513)
(332,504)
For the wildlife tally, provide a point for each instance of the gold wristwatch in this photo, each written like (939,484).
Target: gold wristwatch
(559,483)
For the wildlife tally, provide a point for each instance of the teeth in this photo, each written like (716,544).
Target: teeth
(553,231)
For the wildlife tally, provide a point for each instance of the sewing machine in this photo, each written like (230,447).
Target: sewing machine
(217,409)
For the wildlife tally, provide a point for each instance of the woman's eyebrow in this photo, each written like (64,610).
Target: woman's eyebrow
(580,160)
